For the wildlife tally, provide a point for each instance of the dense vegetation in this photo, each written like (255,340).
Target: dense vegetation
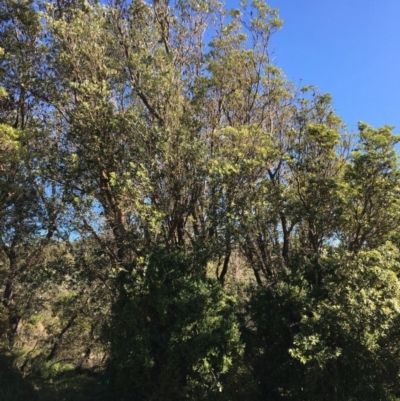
(180,222)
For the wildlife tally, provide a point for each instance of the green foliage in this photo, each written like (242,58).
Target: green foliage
(332,340)
(176,330)
(371,189)
(152,158)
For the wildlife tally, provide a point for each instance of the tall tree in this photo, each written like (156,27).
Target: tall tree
(28,210)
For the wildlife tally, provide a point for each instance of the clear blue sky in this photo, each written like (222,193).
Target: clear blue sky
(349,48)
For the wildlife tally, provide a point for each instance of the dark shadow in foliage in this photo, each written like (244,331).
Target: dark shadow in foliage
(268,339)
(72,385)
(13,387)
(175,336)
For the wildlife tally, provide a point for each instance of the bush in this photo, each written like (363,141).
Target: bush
(175,336)
(332,339)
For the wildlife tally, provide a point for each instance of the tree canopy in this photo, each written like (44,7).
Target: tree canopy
(178,221)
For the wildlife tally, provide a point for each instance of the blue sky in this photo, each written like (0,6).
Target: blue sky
(349,48)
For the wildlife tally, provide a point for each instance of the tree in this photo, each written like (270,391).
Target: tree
(147,147)
(28,208)
(141,144)
(327,319)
